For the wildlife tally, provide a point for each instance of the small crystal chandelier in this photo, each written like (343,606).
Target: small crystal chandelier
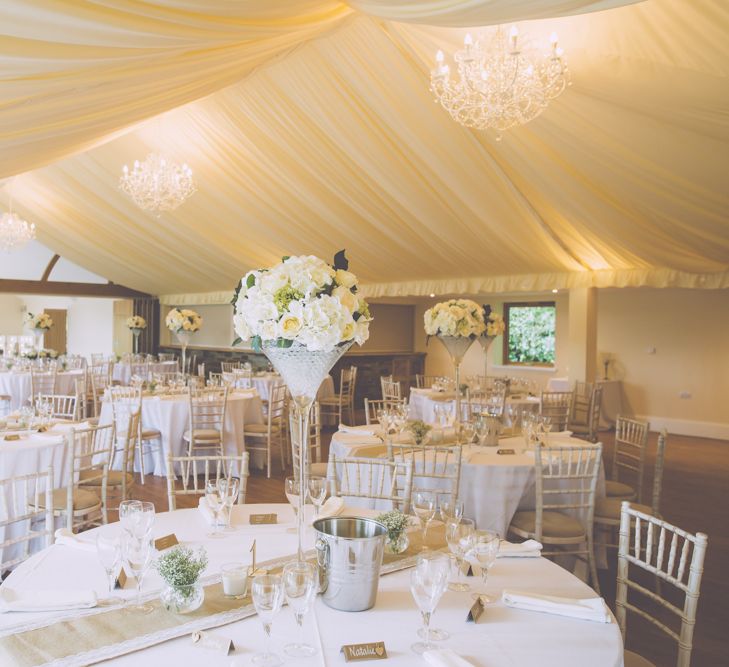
(157,184)
(14,231)
(499,85)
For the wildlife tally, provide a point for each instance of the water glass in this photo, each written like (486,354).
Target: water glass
(450,508)
(427,585)
(460,539)
(215,498)
(432,560)
(317,488)
(137,555)
(229,488)
(424,508)
(268,593)
(109,551)
(300,581)
(485,549)
(291,488)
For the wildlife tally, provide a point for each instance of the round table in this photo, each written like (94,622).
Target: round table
(503,637)
(17,385)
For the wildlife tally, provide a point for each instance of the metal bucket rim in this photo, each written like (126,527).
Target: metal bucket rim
(358,518)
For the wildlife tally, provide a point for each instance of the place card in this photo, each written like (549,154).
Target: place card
(162,543)
(11,437)
(371,651)
(475,611)
(260,519)
(121,579)
(212,642)
(469,570)
(505,451)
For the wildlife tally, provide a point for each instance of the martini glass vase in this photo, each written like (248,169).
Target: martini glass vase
(457,347)
(303,371)
(135,333)
(485,342)
(183,338)
(38,340)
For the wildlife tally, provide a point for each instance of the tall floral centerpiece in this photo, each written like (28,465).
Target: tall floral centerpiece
(136,324)
(303,314)
(456,324)
(183,323)
(495,326)
(38,324)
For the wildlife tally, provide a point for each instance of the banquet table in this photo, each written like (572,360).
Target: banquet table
(170,415)
(502,637)
(17,385)
(122,372)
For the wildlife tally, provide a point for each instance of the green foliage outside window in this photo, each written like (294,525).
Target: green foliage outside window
(531,334)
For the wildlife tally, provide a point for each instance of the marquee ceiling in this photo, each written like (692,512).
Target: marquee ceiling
(310,127)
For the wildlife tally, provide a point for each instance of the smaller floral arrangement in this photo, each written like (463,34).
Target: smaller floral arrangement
(46,353)
(396,524)
(419,430)
(495,324)
(183,319)
(456,317)
(180,568)
(39,322)
(136,322)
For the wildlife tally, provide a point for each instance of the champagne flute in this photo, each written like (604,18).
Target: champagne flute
(268,592)
(460,537)
(427,585)
(424,507)
(451,509)
(137,556)
(300,583)
(431,560)
(229,487)
(109,552)
(291,488)
(485,549)
(215,501)
(317,492)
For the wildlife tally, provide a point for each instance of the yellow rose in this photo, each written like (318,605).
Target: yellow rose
(289,326)
(348,331)
(345,278)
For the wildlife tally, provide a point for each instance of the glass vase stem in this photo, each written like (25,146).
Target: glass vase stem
(302,409)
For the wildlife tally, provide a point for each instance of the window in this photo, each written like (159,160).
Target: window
(530,333)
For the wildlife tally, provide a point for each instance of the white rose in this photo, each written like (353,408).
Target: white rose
(268,330)
(345,278)
(289,326)
(346,298)
(361,331)
(242,330)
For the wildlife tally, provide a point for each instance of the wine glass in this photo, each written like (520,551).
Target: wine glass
(460,537)
(215,500)
(424,507)
(317,492)
(127,508)
(427,584)
(485,549)
(300,582)
(450,508)
(109,552)
(468,430)
(440,560)
(228,488)
(137,555)
(291,488)
(267,591)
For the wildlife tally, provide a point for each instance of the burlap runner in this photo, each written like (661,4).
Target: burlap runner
(89,639)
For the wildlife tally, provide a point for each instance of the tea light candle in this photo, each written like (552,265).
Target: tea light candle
(235,579)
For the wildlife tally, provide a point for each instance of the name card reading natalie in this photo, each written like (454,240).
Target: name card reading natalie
(475,611)
(162,543)
(212,642)
(371,651)
(260,519)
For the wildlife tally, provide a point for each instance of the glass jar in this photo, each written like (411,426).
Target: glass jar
(397,544)
(183,599)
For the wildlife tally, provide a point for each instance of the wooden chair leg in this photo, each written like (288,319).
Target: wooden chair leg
(591,563)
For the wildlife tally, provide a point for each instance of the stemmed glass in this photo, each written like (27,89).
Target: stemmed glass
(486,549)
(424,507)
(291,488)
(460,538)
(434,559)
(268,593)
(300,583)
(228,488)
(317,492)
(428,582)
(137,554)
(450,508)
(136,517)
(110,554)
(215,498)
(468,430)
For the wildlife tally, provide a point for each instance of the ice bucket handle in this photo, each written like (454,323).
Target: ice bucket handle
(322,559)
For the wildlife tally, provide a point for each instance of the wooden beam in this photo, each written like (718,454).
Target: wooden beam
(49,268)
(53,288)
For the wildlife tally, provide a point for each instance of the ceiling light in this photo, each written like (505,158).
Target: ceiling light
(14,232)
(157,184)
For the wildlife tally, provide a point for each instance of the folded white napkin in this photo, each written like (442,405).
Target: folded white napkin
(587,609)
(67,427)
(359,430)
(45,600)
(332,507)
(66,538)
(528,549)
(445,657)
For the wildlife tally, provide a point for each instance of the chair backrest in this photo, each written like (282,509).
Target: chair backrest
(166,356)
(75,362)
(314,439)
(557,405)
(42,382)
(97,359)
(373,406)
(566,480)
(436,469)
(211,468)
(631,443)
(228,366)
(658,473)
(673,556)
(62,406)
(347,383)
(376,479)
(125,401)
(243,377)
(140,369)
(201,370)
(207,409)
(22,508)
(594,414)
(391,389)
(425,381)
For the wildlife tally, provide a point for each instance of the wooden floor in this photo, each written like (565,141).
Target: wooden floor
(695,497)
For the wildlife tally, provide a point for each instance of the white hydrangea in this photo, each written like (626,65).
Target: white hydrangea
(457,317)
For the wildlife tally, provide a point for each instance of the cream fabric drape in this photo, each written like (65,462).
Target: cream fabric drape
(622,181)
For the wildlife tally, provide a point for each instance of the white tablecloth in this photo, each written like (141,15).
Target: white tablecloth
(423,403)
(170,415)
(122,373)
(503,637)
(17,385)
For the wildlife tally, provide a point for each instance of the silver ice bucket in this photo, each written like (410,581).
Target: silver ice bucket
(349,555)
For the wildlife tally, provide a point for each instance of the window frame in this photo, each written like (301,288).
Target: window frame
(505,344)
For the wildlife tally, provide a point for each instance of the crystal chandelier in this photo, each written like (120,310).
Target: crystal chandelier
(14,232)
(157,184)
(501,84)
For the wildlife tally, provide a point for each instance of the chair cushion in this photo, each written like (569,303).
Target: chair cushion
(82,499)
(260,429)
(329,400)
(319,469)
(151,434)
(619,490)
(115,478)
(609,508)
(554,524)
(203,434)
(631,659)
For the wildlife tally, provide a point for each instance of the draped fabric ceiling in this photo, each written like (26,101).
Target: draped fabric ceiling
(310,127)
